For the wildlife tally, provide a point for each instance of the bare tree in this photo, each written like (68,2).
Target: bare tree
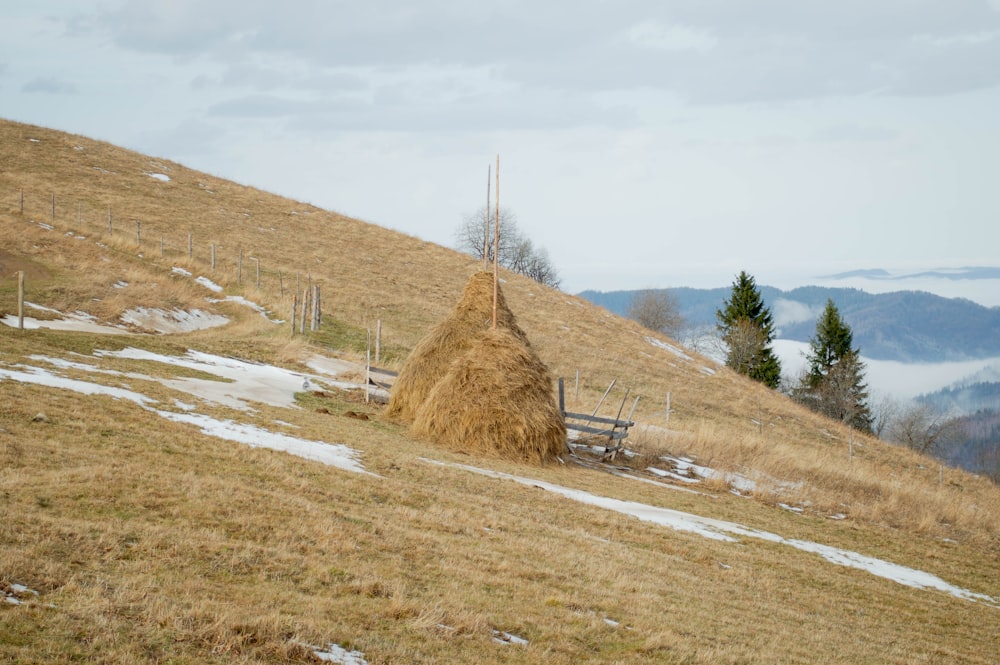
(922,427)
(885,411)
(516,252)
(657,310)
(989,463)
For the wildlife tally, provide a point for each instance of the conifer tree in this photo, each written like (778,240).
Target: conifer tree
(747,328)
(834,384)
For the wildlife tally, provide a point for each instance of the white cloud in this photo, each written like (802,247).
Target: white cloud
(787,312)
(48,84)
(654,35)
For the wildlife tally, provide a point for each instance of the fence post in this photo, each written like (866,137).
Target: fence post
(281,285)
(22,201)
(368,368)
(295,310)
(109,221)
(257,261)
(239,269)
(138,232)
(190,249)
(316,309)
(378,340)
(305,306)
(20,300)
(213,257)
(668,409)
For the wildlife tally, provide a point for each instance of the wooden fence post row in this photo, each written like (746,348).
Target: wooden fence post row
(307,306)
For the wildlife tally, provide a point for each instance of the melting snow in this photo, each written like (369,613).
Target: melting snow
(175,320)
(726,531)
(337,455)
(247,303)
(162,177)
(334,653)
(246,381)
(331,454)
(72,322)
(502,637)
(668,347)
(12,595)
(208,284)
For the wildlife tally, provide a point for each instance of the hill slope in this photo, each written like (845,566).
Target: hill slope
(137,524)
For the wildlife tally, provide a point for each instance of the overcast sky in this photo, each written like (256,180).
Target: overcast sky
(642,144)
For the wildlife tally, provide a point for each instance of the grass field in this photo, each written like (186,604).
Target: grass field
(130,535)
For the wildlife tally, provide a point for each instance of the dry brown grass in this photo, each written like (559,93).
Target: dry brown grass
(154,542)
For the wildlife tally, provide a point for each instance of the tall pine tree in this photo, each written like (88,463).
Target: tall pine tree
(747,328)
(834,384)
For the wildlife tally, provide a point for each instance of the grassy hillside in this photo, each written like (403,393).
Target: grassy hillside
(148,539)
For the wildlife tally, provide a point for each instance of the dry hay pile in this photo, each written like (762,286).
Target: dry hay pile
(448,340)
(481,390)
(495,400)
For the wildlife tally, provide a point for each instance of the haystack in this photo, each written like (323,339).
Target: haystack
(448,340)
(496,400)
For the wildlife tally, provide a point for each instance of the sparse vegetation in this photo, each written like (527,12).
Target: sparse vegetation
(657,310)
(516,250)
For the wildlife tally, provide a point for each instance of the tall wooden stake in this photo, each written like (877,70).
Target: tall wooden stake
(486,220)
(496,248)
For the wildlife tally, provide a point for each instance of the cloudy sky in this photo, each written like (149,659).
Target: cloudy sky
(642,143)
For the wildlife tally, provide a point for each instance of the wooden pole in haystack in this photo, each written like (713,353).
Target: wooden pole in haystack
(496,248)
(486,220)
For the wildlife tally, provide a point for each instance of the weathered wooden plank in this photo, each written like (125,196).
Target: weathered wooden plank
(617,434)
(599,419)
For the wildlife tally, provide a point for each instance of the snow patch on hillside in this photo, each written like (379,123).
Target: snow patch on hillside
(729,532)
(173,320)
(250,379)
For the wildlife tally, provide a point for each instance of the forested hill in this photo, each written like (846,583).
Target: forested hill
(908,326)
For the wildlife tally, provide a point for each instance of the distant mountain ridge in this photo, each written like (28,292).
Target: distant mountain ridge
(906,326)
(965,272)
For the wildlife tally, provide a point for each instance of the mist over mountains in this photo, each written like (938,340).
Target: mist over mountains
(903,326)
